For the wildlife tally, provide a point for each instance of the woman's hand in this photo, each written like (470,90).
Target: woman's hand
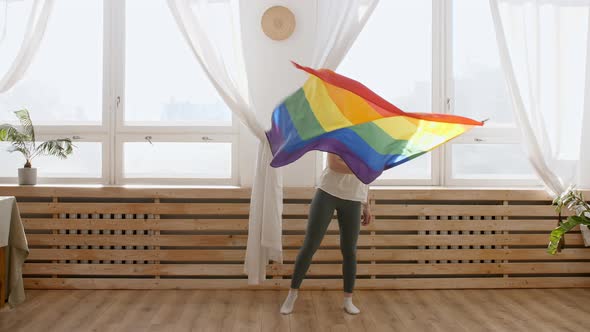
(367,216)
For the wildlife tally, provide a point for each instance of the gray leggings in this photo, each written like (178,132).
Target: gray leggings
(320,214)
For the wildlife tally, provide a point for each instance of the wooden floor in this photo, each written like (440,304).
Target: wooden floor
(248,310)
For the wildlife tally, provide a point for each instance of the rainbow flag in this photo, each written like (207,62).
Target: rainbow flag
(336,114)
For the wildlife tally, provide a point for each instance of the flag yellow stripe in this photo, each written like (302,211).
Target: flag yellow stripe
(353,107)
(324,109)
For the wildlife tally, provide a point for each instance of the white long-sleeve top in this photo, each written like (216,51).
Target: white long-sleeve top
(343,185)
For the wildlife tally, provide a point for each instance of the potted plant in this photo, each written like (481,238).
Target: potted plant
(573,200)
(23,141)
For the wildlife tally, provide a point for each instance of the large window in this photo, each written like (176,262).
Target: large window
(127,90)
(119,78)
(442,57)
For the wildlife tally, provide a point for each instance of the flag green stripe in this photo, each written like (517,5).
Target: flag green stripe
(302,116)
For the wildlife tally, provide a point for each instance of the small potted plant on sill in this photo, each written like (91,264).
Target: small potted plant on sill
(23,141)
(574,201)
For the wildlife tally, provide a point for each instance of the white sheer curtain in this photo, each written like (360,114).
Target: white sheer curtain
(544,49)
(336,34)
(338,25)
(192,17)
(35,30)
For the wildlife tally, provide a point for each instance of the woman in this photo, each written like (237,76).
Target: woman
(342,191)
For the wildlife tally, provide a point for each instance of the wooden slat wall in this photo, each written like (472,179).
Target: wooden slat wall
(162,238)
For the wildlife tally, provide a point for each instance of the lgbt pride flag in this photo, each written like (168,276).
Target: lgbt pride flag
(336,114)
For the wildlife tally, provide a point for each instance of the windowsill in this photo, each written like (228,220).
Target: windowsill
(140,186)
(170,186)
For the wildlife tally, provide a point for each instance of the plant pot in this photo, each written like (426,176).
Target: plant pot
(27,175)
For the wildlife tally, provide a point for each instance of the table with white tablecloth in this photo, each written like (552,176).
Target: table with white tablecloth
(12,236)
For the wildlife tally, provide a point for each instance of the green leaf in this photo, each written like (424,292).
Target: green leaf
(563,228)
(60,148)
(19,140)
(7,132)
(25,121)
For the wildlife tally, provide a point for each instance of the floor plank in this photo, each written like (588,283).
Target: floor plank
(258,310)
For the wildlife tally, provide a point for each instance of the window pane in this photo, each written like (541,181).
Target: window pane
(490,161)
(64,82)
(393,54)
(479,85)
(393,57)
(418,168)
(84,162)
(164,83)
(178,160)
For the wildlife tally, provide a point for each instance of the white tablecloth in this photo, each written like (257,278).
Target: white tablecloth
(12,234)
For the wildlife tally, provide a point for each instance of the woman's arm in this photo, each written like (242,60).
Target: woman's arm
(366,202)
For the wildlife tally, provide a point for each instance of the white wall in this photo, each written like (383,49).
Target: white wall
(272,77)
